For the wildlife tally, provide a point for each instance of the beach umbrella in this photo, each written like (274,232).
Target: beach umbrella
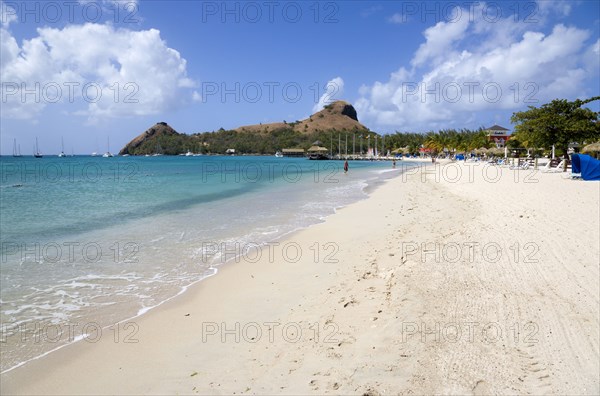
(591,148)
(496,151)
(401,150)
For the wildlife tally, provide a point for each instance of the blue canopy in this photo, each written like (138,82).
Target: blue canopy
(575,164)
(588,167)
(459,157)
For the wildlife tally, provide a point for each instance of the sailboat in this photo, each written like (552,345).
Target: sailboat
(107,154)
(62,152)
(16,152)
(36,151)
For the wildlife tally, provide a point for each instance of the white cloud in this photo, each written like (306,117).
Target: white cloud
(471,66)
(591,57)
(545,7)
(440,40)
(398,18)
(127,72)
(334,91)
(370,11)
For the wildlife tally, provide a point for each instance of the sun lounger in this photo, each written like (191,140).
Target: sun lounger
(547,167)
(523,166)
(559,168)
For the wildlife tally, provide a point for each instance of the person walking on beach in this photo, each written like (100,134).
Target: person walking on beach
(346,166)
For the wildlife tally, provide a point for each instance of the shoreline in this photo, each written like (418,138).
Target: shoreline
(371,303)
(371,184)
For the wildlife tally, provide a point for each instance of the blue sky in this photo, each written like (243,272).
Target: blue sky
(90,70)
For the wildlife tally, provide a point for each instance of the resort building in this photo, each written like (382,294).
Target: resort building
(293,152)
(317,152)
(499,135)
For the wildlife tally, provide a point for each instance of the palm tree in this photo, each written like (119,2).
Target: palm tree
(434,142)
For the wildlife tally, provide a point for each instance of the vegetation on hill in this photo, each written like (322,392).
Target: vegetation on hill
(337,120)
(337,116)
(257,142)
(243,142)
(336,127)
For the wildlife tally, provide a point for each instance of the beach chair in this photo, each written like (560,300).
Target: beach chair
(547,167)
(523,166)
(558,168)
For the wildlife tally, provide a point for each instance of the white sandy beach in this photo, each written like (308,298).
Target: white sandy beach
(457,279)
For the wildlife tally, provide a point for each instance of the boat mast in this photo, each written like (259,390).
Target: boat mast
(346,144)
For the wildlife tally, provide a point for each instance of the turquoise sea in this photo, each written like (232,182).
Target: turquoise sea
(87,242)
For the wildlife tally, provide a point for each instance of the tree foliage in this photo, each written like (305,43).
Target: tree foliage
(250,142)
(456,140)
(558,123)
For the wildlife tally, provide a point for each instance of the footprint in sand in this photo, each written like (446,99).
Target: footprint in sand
(481,388)
(538,369)
(348,341)
(348,302)
(371,392)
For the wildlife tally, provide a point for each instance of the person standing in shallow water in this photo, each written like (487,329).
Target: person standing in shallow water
(346,166)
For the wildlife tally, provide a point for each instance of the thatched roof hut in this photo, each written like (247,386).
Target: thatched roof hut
(317,149)
(293,152)
(496,151)
(401,150)
(591,148)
